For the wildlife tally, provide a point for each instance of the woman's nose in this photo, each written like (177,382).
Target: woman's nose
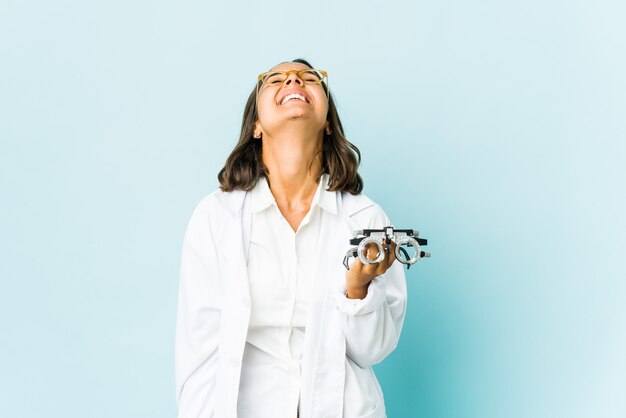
(293,78)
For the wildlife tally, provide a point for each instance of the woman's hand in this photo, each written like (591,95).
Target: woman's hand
(360,275)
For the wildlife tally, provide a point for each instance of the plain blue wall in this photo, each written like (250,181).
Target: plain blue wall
(497,128)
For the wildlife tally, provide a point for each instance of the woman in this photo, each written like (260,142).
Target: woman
(270,324)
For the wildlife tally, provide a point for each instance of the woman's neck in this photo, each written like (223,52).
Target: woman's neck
(295,164)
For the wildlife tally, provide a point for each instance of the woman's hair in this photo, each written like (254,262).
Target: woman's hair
(340,158)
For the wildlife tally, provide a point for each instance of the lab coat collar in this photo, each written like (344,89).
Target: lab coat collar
(327,200)
(261,197)
(343,202)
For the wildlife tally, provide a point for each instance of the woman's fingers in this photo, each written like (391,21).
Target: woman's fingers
(390,257)
(368,271)
(371,251)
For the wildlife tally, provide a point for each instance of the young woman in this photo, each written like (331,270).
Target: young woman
(270,324)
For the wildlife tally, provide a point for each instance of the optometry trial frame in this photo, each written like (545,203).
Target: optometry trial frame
(401,237)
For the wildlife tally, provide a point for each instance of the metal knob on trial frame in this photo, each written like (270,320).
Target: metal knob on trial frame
(407,242)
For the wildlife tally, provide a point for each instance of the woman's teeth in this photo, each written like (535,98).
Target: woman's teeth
(293,96)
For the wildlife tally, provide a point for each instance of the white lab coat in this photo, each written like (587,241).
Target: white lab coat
(214,312)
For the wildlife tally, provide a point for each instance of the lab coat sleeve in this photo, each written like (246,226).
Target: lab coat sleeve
(198,318)
(372,325)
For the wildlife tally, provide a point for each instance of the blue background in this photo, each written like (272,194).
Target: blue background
(497,128)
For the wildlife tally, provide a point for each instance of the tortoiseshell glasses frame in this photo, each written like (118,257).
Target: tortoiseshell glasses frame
(309,76)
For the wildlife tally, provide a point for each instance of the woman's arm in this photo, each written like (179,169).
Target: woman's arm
(372,325)
(198,319)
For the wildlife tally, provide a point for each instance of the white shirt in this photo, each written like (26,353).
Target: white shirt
(343,339)
(282,267)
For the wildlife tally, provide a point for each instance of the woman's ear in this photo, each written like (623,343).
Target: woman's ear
(256,132)
(327,128)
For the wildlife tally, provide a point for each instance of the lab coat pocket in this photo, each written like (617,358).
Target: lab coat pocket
(362,394)
(376,413)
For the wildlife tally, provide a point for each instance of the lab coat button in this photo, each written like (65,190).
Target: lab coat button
(234,361)
(246,303)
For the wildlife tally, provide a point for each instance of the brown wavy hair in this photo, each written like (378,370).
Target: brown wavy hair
(340,158)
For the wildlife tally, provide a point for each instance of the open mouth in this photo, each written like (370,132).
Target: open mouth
(293,96)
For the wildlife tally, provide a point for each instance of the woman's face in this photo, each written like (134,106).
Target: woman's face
(276,107)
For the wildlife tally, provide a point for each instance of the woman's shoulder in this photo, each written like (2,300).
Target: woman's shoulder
(364,211)
(219,200)
(213,213)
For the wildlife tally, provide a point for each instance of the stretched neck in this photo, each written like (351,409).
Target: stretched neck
(294,161)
